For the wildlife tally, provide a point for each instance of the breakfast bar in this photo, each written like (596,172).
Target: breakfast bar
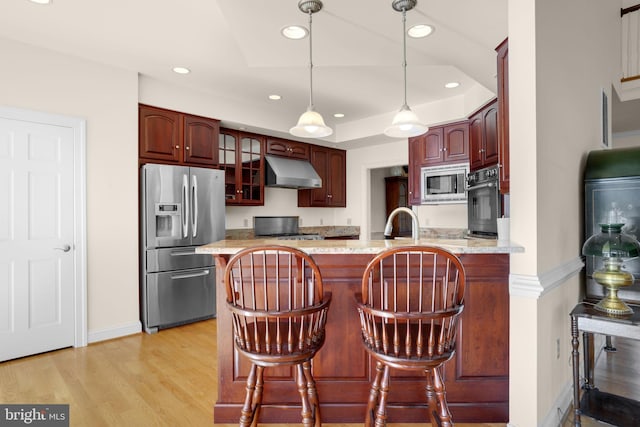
(476,379)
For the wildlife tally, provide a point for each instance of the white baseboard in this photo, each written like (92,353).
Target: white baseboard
(558,412)
(559,408)
(116,332)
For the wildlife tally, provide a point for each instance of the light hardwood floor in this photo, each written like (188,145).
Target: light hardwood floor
(165,379)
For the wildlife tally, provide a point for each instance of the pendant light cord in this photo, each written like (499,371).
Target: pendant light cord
(404,54)
(310,62)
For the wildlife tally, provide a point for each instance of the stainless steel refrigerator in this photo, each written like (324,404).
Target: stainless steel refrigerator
(181,208)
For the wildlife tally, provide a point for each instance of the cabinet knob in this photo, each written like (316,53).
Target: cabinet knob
(177,146)
(186,148)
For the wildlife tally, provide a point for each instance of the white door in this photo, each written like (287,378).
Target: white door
(38,235)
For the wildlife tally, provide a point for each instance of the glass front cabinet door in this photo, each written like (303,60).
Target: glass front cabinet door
(241,157)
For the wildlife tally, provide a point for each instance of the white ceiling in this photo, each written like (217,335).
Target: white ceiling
(234,48)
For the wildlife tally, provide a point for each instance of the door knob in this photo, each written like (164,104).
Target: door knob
(64,248)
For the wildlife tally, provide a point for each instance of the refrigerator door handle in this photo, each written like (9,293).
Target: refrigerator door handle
(194,207)
(188,252)
(189,275)
(185,206)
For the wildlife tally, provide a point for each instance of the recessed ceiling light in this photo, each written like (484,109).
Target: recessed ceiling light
(41,1)
(451,85)
(181,70)
(275,97)
(338,115)
(420,30)
(294,32)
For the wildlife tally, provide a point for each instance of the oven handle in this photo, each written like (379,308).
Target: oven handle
(485,185)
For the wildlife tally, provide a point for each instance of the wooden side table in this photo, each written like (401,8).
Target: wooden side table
(616,410)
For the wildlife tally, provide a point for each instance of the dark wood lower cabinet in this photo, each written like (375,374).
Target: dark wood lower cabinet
(477,379)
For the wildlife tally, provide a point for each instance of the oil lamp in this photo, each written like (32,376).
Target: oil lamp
(614,247)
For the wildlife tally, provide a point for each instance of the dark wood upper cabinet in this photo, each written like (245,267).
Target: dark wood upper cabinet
(168,136)
(483,137)
(415,153)
(456,143)
(475,139)
(503,115)
(432,142)
(446,144)
(286,148)
(159,134)
(491,135)
(201,140)
(331,165)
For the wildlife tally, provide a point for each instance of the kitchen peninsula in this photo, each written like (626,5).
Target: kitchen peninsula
(477,378)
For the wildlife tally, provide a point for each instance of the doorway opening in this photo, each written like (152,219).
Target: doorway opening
(376,205)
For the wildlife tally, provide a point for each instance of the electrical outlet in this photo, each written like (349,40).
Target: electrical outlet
(348,221)
(246,222)
(321,221)
(557,348)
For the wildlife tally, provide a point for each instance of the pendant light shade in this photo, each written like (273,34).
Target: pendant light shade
(310,124)
(405,123)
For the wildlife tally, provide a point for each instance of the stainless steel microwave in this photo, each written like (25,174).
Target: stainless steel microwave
(444,183)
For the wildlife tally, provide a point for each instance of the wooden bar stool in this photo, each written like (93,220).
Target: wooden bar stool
(409,306)
(279,312)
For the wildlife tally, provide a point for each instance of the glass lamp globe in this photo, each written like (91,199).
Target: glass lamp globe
(614,247)
(405,124)
(311,125)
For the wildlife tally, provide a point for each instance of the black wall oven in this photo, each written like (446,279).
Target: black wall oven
(483,198)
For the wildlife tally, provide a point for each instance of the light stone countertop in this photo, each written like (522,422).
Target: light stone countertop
(457,246)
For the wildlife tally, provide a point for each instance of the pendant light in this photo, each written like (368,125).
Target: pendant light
(310,124)
(405,123)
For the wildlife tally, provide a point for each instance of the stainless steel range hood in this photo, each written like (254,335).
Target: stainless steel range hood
(290,173)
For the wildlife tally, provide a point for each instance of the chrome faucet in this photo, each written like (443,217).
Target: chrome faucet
(415,225)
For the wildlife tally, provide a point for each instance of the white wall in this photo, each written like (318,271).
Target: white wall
(443,216)
(626,139)
(556,76)
(106,97)
(277,202)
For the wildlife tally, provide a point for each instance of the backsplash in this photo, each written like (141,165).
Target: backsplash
(325,231)
(328,231)
(443,233)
